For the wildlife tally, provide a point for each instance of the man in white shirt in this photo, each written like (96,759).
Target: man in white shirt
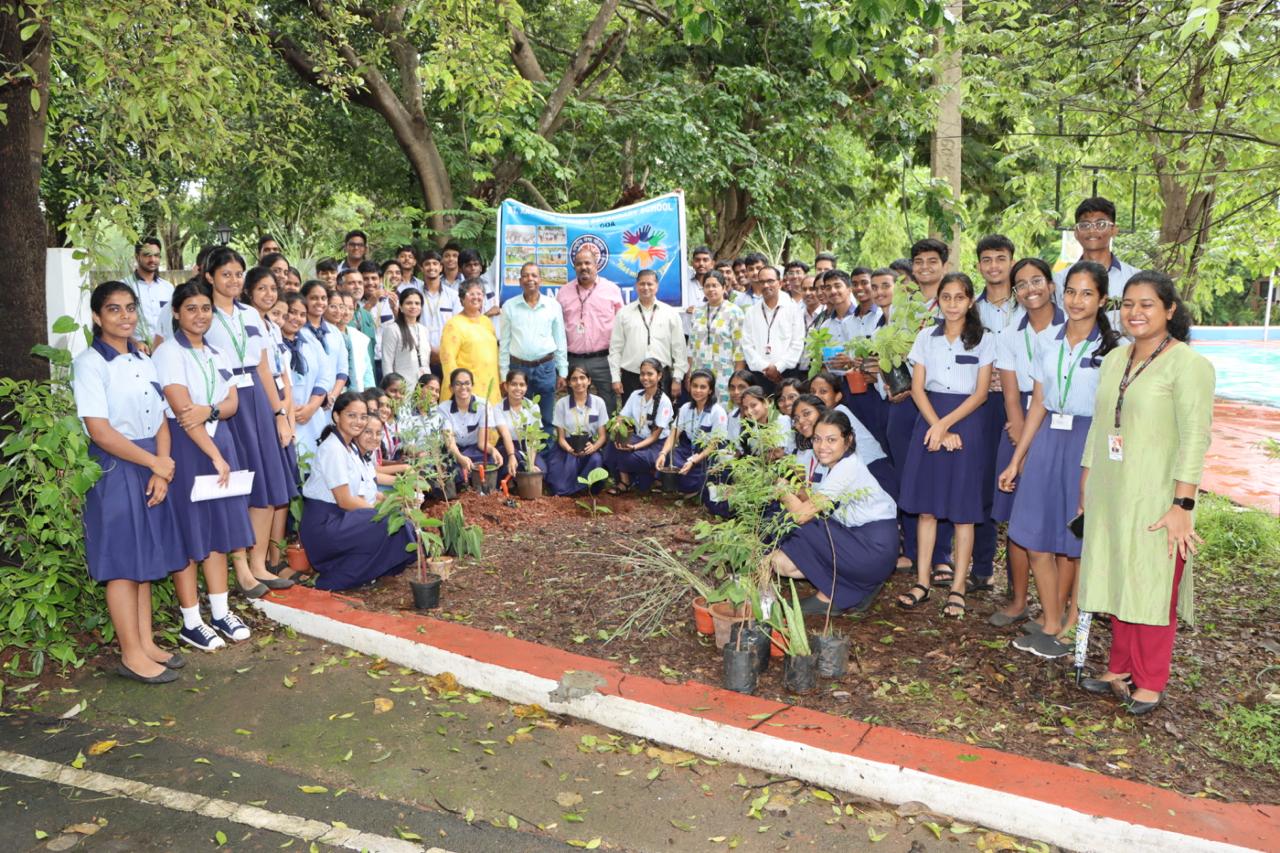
(702,263)
(154,294)
(644,329)
(772,333)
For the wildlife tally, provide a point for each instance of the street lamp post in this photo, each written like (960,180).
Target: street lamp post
(222,233)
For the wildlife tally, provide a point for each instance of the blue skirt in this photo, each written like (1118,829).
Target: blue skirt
(640,464)
(900,420)
(348,548)
(869,408)
(1049,491)
(1002,502)
(563,470)
(948,484)
(253,428)
(124,539)
(693,482)
(216,526)
(291,468)
(864,557)
(886,475)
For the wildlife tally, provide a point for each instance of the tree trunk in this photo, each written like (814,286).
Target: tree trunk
(21,219)
(945,148)
(734,222)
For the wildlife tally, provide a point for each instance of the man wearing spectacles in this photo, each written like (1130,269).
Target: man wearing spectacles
(1095,228)
(355,244)
(154,293)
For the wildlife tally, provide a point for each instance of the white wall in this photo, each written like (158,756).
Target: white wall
(65,280)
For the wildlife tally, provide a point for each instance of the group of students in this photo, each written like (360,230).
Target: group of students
(999,426)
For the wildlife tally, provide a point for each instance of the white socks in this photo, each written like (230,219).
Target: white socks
(191,617)
(218,605)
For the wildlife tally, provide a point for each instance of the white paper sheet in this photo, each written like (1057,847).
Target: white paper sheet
(206,488)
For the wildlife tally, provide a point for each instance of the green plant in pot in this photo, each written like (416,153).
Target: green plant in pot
(460,539)
(620,427)
(820,346)
(403,505)
(532,439)
(893,341)
(800,666)
(422,443)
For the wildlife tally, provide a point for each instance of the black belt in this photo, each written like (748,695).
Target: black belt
(600,353)
(524,362)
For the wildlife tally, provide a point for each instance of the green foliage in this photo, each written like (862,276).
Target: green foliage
(1236,538)
(402,506)
(893,341)
(594,477)
(620,427)
(532,438)
(788,618)
(461,539)
(47,472)
(1251,736)
(815,344)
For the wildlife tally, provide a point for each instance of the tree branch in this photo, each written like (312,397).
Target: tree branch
(538,198)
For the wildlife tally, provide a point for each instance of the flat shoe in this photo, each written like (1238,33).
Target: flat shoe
(1031,626)
(865,605)
(1042,646)
(1139,709)
(814,605)
(175,661)
(275,583)
(256,591)
(1102,687)
(1003,620)
(163,678)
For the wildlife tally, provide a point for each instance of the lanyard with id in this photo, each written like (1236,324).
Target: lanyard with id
(208,372)
(1058,420)
(764,309)
(240,345)
(1115,441)
(711,318)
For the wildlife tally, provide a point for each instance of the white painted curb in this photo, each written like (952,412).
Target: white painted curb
(890,783)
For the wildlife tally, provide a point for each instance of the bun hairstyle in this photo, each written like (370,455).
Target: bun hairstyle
(103,292)
(345,399)
(1180,322)
(1101,280)
(971,334)
(188,290)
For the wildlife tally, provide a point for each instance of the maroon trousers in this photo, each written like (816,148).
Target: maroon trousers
(1145,651)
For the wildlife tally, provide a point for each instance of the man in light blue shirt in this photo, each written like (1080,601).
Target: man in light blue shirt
(532,339)
(153,292)
(1095,229)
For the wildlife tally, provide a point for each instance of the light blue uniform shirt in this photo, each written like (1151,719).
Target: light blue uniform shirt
(869,450)
(465,424)
(335,465)
(1015,346)
(857,497)
(949,368)
(996,317)
(701,428)
(205,373)
(784,436)
(438,309)
(307,383)
(1118,274)
(515,420)
(638,409)
(1053,364)
(240,338)
(574,420)
(851,325)
(333,362)
(123,388)
(529,333)
(154,315)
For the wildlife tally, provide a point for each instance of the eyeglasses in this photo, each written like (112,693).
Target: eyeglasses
(462,383)
(149,254)
(1037,283)
(1094,225)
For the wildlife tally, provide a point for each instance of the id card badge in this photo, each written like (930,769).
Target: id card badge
(244,380)
(280,384)
(768,350)
(582,329)
(211,427)
(1115,448)
(1061,421)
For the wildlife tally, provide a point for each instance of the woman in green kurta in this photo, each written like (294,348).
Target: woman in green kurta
(1142,463)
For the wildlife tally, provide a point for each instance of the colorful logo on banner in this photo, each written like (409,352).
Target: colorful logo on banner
(644,236)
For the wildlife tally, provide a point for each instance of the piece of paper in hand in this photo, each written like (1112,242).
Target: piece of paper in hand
(206,488)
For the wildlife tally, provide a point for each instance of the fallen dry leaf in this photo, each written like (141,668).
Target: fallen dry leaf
(992,842)
(670,756)
(382,705)
(103,746)
(83,828)
(445,682)
(568,799)
(529,712)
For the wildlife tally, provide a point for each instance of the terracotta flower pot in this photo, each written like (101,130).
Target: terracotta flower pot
(529,485)
(857,381)
(775,647)
(724,616)
(702,617)
(296,556)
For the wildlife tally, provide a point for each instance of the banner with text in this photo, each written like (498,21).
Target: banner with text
(646,235)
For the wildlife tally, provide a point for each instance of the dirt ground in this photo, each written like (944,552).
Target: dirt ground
(958,680)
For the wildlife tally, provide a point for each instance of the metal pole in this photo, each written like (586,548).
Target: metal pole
(1271,294)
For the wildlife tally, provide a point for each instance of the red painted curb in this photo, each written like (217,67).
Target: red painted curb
(1255,826)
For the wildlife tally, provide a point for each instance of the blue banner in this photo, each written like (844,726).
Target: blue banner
(642,236)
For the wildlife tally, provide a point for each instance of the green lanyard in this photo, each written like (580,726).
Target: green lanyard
(1026,339)
(1071,371)
(209,374)
(244,336)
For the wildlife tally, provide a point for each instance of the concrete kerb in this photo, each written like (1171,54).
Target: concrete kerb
(1099,821)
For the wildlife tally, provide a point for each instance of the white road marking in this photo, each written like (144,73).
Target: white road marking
(212,807)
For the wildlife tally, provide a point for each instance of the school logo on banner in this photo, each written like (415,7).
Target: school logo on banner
(649,235)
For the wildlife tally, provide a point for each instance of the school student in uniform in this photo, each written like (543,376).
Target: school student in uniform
(579,419)
(945,464)
(631,461)
(334,362)
(131,533)
(1015,352)
(393,385)
(805,413)
(260,291)
(849,552)
(740,381)
(762,428)
(202,396)
(519,413)
(788,390)
(826,387)
(468,441)
(304,361)
(261,428)
(344,543)
(1065,375)
(701,424)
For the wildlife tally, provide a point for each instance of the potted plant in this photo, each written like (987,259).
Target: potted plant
(532,438)
(859,349)
(893,341)
(800,667)
(403,505)
(422,444)
(460,539)
(620,427)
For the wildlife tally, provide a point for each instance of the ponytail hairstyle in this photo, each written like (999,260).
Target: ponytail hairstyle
(841,422)
(703,373)
(186,291)
(346,398)
(651,416)
(217,259)
(1101,280)
(251,278)
(406,337)
(814,402)
(1180,322)
(971,334)
(99,298)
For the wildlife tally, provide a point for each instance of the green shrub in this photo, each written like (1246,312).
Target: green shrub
(1236,538)
(1251,736)
(48,595)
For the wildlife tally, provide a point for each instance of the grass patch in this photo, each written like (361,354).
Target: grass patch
(1239,562)
(1251,736)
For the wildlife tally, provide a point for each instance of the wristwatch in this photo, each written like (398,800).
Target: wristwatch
(213,415)
(1186,503)
(280,413)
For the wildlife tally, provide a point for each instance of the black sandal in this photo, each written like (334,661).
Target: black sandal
(916,600)
(942,577)
(973,584)
(963,605)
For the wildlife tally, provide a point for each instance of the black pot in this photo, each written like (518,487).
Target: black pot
(739,669)
(833,656)
(426,595)
(578,441)
(898,379)
(800,673)
(670,479)
(486,485)
(753,639)
(445,488)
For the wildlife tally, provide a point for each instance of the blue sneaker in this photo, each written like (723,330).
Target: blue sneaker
(231,627)
(202,637)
